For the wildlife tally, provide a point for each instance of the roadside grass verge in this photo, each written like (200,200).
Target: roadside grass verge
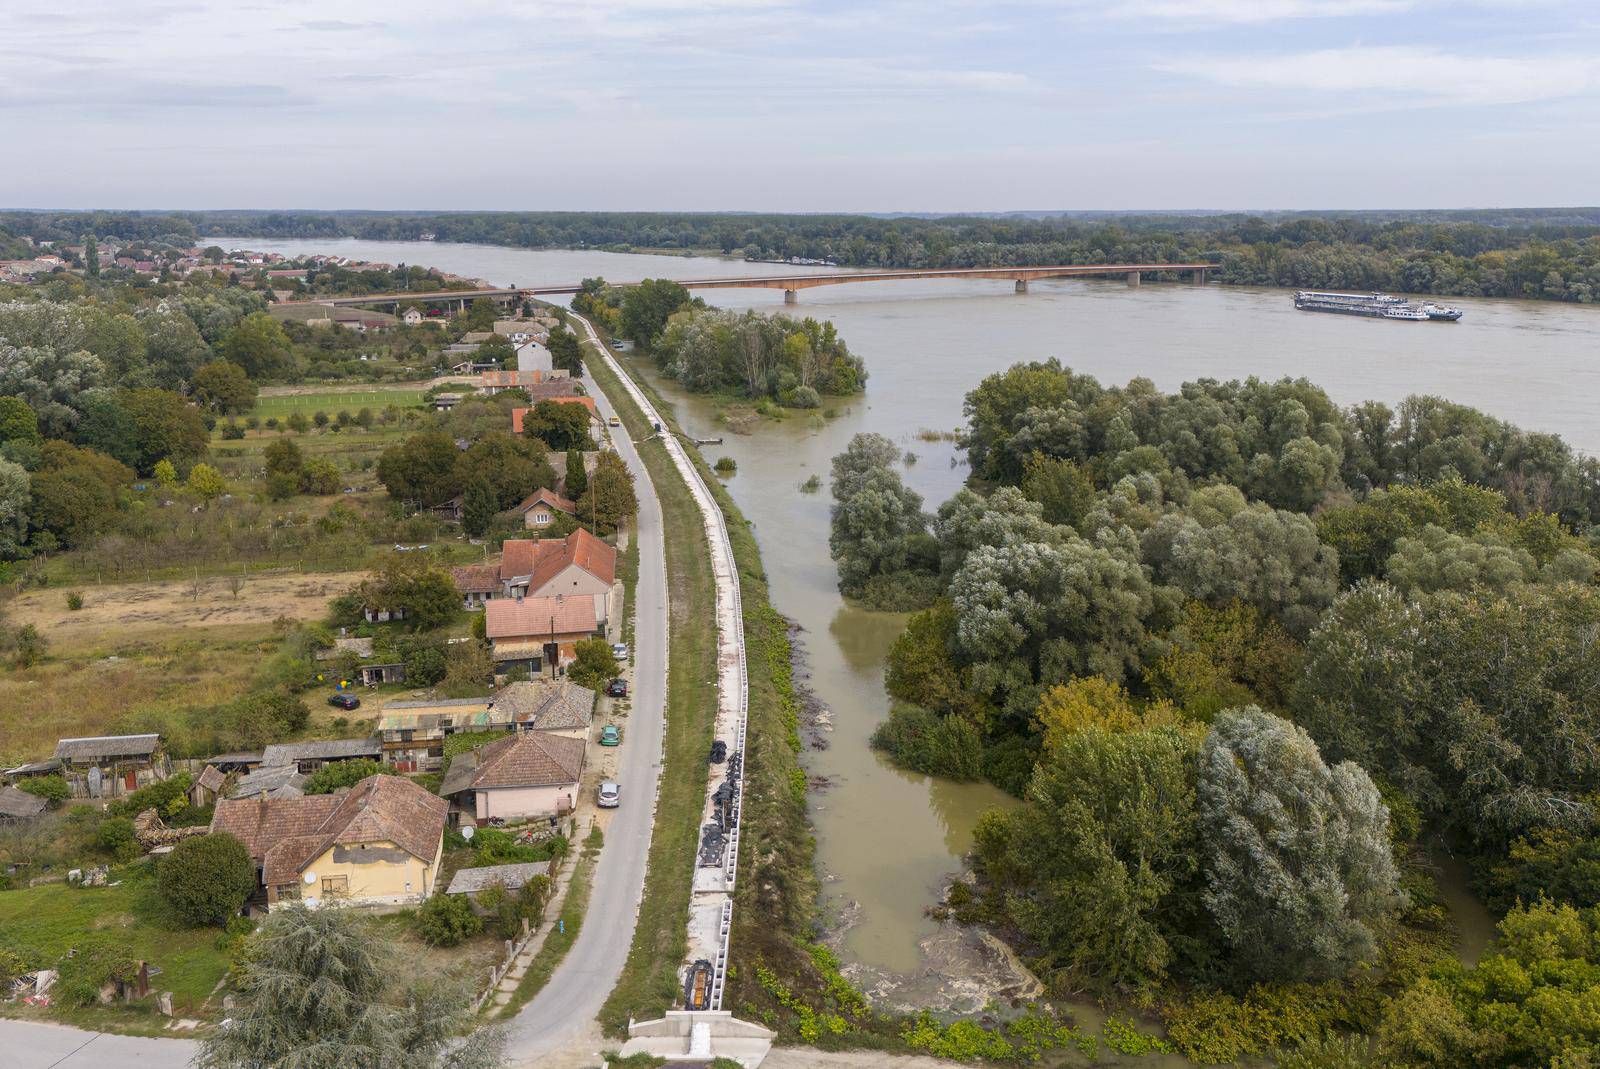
(649,982)
(574,906)
(44,923)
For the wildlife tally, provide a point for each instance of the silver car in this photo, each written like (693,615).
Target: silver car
(610,795)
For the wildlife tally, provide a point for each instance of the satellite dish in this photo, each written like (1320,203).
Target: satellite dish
(467,832)
(311,878)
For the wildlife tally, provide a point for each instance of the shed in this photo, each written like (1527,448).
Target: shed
(511,877)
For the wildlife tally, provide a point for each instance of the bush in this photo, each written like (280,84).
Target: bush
(115,837)
(90,969)
(593,664)
(804,397)
(74,601)
(923,741)
(341,774)
(445,920)
(164,796)
(52,789)
(232,431)
(726,466)
(207,879)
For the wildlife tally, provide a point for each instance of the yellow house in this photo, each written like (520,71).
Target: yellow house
(377,844)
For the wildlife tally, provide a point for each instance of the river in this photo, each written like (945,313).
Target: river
(887,839)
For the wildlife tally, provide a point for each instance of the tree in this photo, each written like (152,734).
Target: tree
(174,348)
(478,508)
(877,520)
(593,663)
(361,1015)
(566,353)
(509,466)
(15,500)
(480,315)
(1097,865)
(496,350)
(577,480)
(319,475)
(207,482)
(166,475)
(162,424)
(297,422)
(115,836)
(283,457)
(647,307)
(52,384)
(207,879)
(91,256)
(18,422)
(610,497)
(75,492)
(420,469)
(341,774)
(1298,863)
(559,424)
(258,344)
(410,582)
(446,920)
(1063,489)
(224,387)
(1436,559)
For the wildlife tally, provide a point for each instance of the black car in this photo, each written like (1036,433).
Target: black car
(345,701)
(617,688)
(719,752)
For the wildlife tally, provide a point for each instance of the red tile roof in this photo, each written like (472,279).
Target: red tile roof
(537,617)
(477,578)
(546,558)
(526,759)
(549,497)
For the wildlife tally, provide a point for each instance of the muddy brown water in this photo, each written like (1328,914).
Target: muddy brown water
(887,840)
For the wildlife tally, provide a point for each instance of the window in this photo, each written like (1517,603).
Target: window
(335,885)
(289,892)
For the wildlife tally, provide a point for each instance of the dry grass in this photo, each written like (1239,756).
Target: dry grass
(118,613)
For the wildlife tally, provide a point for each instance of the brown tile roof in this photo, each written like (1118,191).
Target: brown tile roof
(546,706)
(549,497)
(592,555)
(283,834)
(518,557)
(518,617)
(477,578)
(526,759)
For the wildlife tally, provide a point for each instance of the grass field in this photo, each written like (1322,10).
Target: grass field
(44,923)
(349,398)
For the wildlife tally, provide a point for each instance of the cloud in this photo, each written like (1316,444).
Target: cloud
(1246,11)
(1413,74)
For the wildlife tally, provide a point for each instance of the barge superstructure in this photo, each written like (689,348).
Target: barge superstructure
(1374,305)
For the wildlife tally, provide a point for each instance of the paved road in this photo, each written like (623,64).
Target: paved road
(563,1013)
(562,1017)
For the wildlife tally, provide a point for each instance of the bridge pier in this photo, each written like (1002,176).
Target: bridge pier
(1133,278)
(791,296)
(1022,285)
(1199,277)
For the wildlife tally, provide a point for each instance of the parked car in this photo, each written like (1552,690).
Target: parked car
(345,701)
(619,650)
(609,795)
(617,688)
(610,736)
(719,752)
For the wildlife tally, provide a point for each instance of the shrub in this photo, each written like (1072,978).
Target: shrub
(52,789)
(726,466)
(445,920)
(164,796)
(232,431)
(90,969)
(811,485)
(923,741)
(115,837)
(593,663)
(342,774)
(74,601)
(804,397)
(207,879)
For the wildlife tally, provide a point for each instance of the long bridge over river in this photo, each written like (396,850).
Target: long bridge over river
(790,284)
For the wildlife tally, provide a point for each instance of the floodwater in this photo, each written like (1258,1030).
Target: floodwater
(886,839)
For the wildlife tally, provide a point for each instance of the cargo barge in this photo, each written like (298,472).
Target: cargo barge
(1374,305)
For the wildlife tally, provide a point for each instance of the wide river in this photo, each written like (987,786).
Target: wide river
(887,839)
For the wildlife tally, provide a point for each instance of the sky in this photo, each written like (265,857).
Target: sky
(800,105)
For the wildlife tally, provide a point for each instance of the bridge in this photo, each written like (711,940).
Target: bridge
(790,284)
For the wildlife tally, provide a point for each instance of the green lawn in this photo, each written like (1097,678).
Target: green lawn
(44,923)
(350,398)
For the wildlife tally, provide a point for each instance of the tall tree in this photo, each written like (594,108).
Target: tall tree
(1299,869)
(577,480)
(566,353)
(478,507)
(259,345)
(318,991)
(91,256)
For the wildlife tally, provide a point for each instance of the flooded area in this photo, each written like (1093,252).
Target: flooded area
(887,840)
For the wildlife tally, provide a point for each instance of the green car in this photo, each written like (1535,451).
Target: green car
(610,736)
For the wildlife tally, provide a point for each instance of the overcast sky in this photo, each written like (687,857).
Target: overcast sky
(797,105)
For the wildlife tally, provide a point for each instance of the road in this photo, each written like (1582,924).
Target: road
(561,1018)
(563,1013)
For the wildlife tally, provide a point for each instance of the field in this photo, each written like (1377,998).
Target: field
(331,399)
(45,922)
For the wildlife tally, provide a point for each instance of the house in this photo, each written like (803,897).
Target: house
(17,806)
(108,766)
(270,781)
(371,673)
(493,382)
(560,707)
(444,402)
(48,767)
(377,844)
(528,633)
(307,757)
(528,775)
(517,414)
(532,356)
(207,787)
(579,564)
(411,317)
(413,733)
(520,331)
(539,508)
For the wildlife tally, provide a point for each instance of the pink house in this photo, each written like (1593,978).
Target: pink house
(530,775)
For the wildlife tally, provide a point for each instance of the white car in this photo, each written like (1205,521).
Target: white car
(619,650)
(610,794)
(613,422)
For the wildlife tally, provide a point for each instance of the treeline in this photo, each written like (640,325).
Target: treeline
(1240,651)
(1549,254)
(795,362)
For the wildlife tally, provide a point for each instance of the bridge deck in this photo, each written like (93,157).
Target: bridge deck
(1024,273)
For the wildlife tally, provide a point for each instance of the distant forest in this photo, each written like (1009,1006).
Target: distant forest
(1548,253)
